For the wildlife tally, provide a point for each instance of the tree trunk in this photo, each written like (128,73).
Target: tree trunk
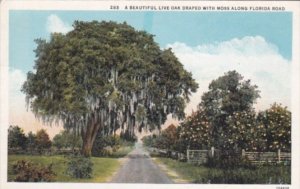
(88,137)
(87,147)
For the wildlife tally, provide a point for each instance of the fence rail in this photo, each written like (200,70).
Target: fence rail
(267,157)
(66,151)
(201,156)
(197,156)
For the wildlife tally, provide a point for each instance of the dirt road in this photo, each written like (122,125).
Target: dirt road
(139,168)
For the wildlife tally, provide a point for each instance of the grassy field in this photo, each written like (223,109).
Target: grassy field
(203,174)
(103,168)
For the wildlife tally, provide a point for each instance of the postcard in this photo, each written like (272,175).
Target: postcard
(154,94)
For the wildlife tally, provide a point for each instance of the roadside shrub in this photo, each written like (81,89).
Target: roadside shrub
(103,144)
(229,160)
(26,171)
(79,167)
(234,176)
(259,175)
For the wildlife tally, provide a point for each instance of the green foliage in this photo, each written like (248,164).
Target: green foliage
(106,75)
(229,159)
(167,139)
(269,174)
(31,141)
(16,137)
(227,95)
(195,131)
(170,137)
(42,140)
(127,136)
(226,120)
(112,146)
(58,141)
(27,171)
(79,167)
(102,142)
(67,139)
(103,168)
(149,141)
(244,132)
(277,122)
(262,175)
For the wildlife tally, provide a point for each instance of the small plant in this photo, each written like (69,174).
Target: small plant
(79,167)
(26,171)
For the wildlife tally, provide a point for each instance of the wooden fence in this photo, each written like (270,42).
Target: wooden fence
(197,156)
(48,152)
(201,156)
(167,153)
(267,157)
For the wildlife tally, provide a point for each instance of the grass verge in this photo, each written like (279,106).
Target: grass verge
(202,174)
(102,170)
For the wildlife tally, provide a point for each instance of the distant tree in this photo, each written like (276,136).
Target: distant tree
(170,136)
(125,135)
(67,139)
(16,137)
(74,141)
(149,140)
(105,76)
(31,141)
(227,95)
(42,140)
(59,141)
(277,122)
(167,138)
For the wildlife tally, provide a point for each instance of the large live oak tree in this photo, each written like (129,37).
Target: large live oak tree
(102,76)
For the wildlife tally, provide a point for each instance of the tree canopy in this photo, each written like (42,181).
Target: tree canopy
(66,139)
(277,121)
(42,140)
(105,76)
(228,95)
(195,131)
(16,137)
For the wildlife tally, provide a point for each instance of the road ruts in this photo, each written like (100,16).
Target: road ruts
(139,168)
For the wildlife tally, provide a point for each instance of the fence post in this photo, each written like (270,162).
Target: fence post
(243,153)
(188,155)
(278,154)
(212,152)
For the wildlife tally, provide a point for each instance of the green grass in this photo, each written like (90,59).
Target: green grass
(102,170)
(202,174)
(187,171)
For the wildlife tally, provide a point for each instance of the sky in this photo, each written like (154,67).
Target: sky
(258,45)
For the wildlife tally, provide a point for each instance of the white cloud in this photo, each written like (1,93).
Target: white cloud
(247,46)
(253,57)
(16,97)
(16,78)
(55,24)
